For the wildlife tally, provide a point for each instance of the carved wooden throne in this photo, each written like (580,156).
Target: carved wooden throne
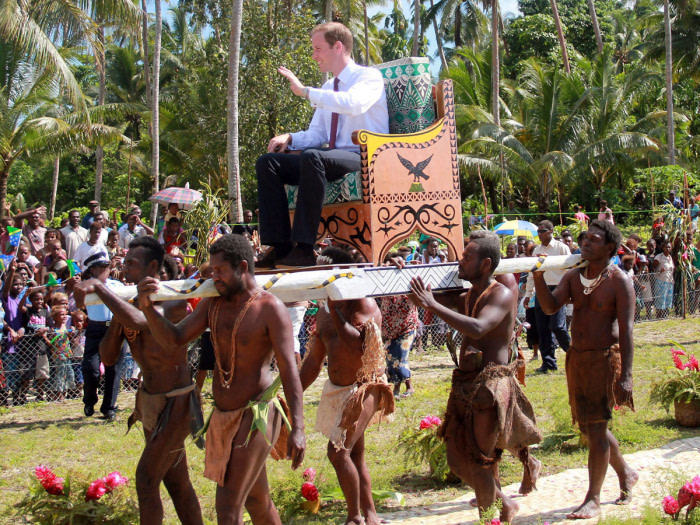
(409,179)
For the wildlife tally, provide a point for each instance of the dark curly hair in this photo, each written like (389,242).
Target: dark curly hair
(234,248)
(612,234)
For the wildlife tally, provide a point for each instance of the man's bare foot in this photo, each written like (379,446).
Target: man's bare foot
(508,510)
(373,519)
(588,509)
(529,482)
(626,484)
(473,503)
(357,520)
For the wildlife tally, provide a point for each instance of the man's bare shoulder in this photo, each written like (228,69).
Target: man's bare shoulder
(174,311)
(621,280)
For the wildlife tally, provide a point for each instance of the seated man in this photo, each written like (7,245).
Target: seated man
(353,100)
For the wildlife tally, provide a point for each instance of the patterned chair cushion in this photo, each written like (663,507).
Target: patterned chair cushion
(409,99)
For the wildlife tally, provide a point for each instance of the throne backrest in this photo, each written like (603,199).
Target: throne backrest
(409,89)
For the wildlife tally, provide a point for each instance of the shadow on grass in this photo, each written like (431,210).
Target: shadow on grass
(41,424)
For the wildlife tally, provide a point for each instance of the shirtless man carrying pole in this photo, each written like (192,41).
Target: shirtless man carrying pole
(165,403)
(356,393)
(248,328)
(487,411)
(599,361)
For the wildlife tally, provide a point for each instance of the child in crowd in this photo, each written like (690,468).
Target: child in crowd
(77,344)
(63,380)
(32,347)
(643,285)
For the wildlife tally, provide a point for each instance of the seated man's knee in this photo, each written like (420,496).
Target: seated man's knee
(310,157)
(263,164)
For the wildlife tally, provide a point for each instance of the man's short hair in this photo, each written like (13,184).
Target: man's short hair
(234,248)
(95,226)
(546,225)
(171,220)
(612,234)
(152,248)
(489,245)
(335,32)
(170,267)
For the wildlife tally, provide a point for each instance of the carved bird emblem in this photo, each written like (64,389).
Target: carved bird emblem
(417,170)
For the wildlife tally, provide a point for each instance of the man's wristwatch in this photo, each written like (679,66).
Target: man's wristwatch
(305,93)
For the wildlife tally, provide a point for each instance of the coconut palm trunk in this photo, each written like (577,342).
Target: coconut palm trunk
(366,30)
(438,41)
(155,109)
(54,186)
(234,180)
(416,28)
(670,132)
(560,34)
(596,26)
(495,65)
(99,151)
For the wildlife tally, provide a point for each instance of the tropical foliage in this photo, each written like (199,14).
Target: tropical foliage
(78,95)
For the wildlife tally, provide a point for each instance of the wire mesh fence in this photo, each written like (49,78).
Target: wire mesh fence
(47,366)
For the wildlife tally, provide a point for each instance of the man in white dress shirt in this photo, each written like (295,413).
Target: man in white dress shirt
(554,324)
(131,229)
(73,234)
(353,100)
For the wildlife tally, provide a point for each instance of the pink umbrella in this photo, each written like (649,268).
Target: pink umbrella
(184,197)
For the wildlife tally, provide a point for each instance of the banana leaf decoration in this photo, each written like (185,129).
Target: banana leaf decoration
(261,410)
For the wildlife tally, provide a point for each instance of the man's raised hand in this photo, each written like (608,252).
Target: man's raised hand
(296,86)
(145,288)
(421,295)
(81,289)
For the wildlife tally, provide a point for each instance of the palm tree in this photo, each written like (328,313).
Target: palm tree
(234,178)
(155,107)
(670,133)
(560,34)
(596,26)
(495,64)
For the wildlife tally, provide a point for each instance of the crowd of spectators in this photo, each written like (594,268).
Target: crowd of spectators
(51,346)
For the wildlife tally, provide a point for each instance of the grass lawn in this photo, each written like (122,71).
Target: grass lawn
(59,436)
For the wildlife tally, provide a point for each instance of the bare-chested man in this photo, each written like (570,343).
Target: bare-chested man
(165,402)
(356,393)
(487,411)
(599,362)
(248,328)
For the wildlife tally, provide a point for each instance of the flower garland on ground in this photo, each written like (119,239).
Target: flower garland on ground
(58,501)
(312,501)
(688,495)
(422,444)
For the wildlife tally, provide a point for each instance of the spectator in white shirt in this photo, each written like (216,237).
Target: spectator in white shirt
(73,234)
(91,246)
(354,99)
(555,324)
(131,229)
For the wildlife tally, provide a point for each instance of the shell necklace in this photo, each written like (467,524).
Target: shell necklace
(589,285)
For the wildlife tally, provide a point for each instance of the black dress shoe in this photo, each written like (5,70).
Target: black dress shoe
(542,370)
(88,410)
(110,415)
(298,257)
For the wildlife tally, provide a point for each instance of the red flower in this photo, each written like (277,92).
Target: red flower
(693,364)
(678,363)
(429,422)
(42,472)
(675,352)
(309,474)
(495,521)
(96,490)
(671,506)
(694,486)
(309,491)
(684,495)
(114,480)
(55,487)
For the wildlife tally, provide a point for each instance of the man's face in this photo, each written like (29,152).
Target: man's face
(470,263)
(74,219)
(173,227)
(594,246)
(651,246)
(545,235)
(510,251)
(433,248)
(94,208)
(521,245)
(131,221)
(95,232)
(667,248)
(323,54)
(248,216)
(173,208)
(135,270)
(227,280)
(568,240)
(34,220)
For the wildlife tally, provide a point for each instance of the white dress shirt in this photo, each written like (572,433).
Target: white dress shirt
(551,277)
(73,238)
(360,103)
(126,236)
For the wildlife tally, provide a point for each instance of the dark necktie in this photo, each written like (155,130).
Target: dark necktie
(334,118)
